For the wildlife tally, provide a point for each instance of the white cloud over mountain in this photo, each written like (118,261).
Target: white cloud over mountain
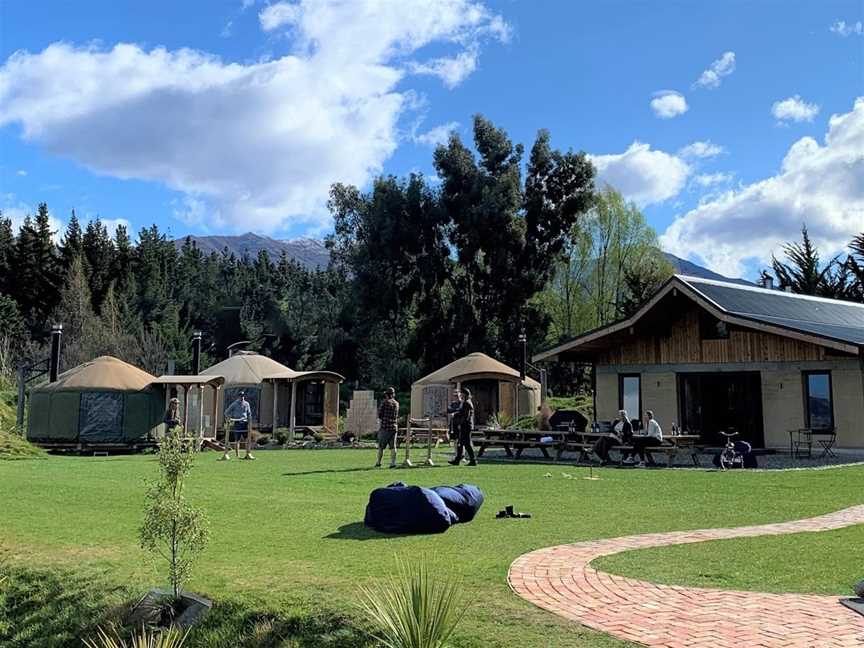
(794,109)
(249,145)
(820,185)
(642,175)
(712,77)
(668,103)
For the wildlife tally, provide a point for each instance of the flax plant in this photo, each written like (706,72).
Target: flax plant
(144,638)
(414,608)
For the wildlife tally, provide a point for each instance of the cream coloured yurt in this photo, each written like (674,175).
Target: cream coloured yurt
(493,386)
(308,399)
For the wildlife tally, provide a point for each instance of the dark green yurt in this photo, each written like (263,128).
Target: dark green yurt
(104,402)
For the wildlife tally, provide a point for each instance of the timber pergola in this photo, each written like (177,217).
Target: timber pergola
(187,383)
(294,378)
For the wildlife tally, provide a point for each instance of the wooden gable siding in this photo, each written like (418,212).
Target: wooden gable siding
(682,344)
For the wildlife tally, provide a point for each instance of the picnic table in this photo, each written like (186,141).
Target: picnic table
(671,445)
(515,441)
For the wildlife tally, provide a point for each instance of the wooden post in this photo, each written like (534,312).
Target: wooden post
(216,389)
(429,461)
(291,419)
(407,461)
(275,410)
(227,454)
(201,411)
(337,410)
(22,384)
(185,410)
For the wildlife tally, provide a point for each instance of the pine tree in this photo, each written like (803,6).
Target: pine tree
(802,273)
(7,254)
(71,246)
(99,256)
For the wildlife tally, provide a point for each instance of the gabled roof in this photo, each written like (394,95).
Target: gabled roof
(827,322)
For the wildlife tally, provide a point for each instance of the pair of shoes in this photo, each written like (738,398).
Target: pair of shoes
(393,466)
(508,512)
(453,462)
(378,465)
(472,463)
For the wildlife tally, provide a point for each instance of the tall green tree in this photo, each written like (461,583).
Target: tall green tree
(98,249)
(7,255)
(38,273)
(71,246)
(508,236)
(612,264)
(803,271)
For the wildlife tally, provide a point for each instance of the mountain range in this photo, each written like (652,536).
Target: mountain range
(312,254)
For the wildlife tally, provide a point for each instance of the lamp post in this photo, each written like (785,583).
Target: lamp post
(523,340)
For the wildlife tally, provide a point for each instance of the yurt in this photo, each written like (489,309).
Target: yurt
(104,402)
(493,386)
(311,396)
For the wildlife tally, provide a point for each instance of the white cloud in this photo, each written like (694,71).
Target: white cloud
(668,103)
(850,29)
(642,175)
(794,109)
(21,172)
(278,15)
(437,135)
(821,186)
(258,143)
(111,225)
(710,179)
(245,4)
(701,150)
(226,30)
(724,66)
(452,71)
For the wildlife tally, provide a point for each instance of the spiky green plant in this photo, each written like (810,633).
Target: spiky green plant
(145,638)
(414,608)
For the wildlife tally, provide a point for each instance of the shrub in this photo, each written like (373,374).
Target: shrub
(173,529)
(144,638)
(413,609)
(14,446)
(262,439)
(281,435)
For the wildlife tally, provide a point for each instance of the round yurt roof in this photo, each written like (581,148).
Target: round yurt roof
(246,368)
(104,373)
(475,366)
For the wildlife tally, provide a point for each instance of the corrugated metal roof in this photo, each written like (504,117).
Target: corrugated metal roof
(830,318)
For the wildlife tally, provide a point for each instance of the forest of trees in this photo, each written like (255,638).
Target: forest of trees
(420,274)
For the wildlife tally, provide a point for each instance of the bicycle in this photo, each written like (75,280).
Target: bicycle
(729,455)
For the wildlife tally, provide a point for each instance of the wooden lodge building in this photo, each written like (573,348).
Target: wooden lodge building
(711,355)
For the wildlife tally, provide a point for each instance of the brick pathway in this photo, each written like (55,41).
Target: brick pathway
(559,579)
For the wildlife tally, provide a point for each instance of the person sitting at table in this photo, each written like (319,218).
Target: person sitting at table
(622,431)
(653,436)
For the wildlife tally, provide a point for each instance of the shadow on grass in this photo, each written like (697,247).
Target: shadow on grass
(399,470)
(356,531)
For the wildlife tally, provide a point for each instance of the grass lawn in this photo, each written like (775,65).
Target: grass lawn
(287,536)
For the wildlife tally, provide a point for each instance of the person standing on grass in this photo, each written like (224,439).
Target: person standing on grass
(464,425)
(172,416)
(388,417)
(653,437)
(240,412)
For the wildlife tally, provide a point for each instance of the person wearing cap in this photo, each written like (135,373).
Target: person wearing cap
(388,417)
(464,426)
(172,416)
(240,412)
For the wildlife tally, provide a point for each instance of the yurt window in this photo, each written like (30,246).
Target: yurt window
(100,417)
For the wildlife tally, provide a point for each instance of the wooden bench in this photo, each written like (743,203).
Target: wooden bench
(510,444)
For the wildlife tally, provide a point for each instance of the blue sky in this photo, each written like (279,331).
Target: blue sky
(229,116)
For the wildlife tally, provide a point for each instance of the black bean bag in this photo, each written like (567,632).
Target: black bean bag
(407,509)
(464,500)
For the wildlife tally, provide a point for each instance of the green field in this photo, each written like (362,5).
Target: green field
(288,546)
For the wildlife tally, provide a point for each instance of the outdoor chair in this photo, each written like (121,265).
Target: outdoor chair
(826,440)
(798,440)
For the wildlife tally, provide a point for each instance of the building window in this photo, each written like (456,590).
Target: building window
(818,400)
(630,395)
(711,328)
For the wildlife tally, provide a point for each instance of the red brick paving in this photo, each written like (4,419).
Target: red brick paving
(559,579)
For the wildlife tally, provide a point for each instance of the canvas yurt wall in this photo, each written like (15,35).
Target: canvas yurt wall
(245,371)
(492,384)
(102,402)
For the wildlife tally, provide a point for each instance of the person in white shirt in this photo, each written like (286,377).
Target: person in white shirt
(653,437)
